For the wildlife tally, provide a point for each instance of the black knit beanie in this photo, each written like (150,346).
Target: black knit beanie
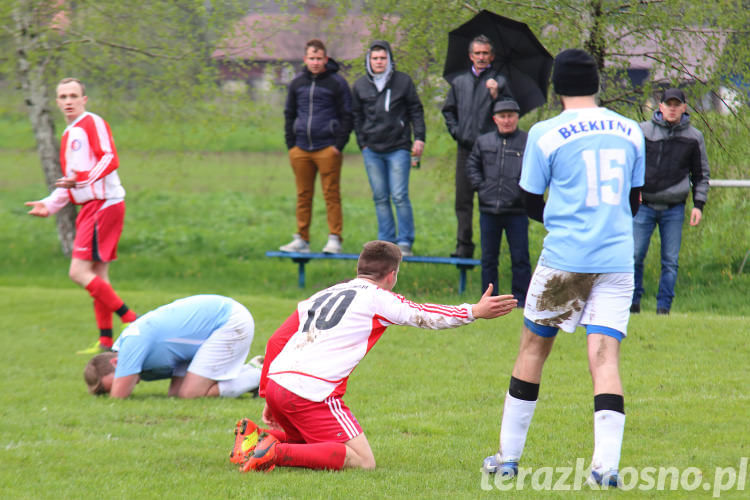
(575,73)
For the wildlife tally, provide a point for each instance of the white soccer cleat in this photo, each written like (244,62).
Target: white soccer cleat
(296,245)
(333,245)
(405,249)
(257,361)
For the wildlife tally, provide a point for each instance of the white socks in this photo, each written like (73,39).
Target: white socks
(247,380)
(517,414)
(609,427)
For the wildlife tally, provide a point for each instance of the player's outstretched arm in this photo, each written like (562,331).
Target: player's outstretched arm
(38,208)
(491,307)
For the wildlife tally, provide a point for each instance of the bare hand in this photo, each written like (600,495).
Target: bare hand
(492,87)
(66,182)
(269,419)
(417,148)
(491,307)
(695,216)
(39,209)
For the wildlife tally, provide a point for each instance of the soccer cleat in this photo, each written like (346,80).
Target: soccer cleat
(333,245)
(263,458)
(296,245)
(257,361)
(635,307)
(494,465)
(609,479)
(96,348)
(662,311)
(405,249)
(245,439)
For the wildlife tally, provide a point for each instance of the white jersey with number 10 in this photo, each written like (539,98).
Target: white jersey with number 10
(339,325)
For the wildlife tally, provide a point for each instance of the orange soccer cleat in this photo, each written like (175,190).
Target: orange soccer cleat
(264,455)
(245,439)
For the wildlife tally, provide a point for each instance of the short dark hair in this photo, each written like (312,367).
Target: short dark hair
(483,40)
(315,44)
(377,259)
(97,367)
(71,80)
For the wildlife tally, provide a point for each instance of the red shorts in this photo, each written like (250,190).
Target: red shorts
(306,421)
(98,231)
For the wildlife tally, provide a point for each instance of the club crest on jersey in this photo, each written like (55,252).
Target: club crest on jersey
(75,145)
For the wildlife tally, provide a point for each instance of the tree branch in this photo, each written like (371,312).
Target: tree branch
(628,6)
(127,48)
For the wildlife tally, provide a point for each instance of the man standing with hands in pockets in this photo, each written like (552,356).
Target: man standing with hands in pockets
(468,114)
(387,111)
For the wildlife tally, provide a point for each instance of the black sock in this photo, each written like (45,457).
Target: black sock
(523,390)
(614,402)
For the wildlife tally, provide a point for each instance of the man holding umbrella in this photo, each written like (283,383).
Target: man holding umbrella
(468,114)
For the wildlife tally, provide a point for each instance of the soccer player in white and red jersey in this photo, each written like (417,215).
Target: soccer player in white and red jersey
(89,165)
(308,361)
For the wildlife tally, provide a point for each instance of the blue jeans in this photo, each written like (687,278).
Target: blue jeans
(670,230)
(517,234)
(389,179)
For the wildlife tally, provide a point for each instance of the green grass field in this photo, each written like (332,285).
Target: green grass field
(429,401)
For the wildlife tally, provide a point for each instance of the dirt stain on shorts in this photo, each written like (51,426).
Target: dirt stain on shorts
(566,293)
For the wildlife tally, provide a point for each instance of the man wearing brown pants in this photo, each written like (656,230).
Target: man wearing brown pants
(317,124)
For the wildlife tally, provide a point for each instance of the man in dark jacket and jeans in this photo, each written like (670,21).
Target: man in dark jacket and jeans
(675,161)
(494,169)
(317,124)
(468,114)
(387,110)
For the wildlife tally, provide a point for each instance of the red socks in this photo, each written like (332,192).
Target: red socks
(103,315)
(103,292)
(312,456)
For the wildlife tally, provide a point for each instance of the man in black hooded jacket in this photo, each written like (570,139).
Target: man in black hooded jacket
(387,112)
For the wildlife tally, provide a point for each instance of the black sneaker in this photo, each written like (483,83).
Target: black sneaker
(635,307)
(662,311)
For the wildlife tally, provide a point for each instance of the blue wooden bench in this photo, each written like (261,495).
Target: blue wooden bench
(303,258)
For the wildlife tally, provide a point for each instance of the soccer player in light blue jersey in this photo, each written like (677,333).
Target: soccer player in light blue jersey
(590,161)
(200,342)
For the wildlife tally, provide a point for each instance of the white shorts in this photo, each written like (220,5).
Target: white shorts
(222,355)
(562,299)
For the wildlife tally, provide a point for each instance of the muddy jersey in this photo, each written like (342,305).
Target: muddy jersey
(315,350)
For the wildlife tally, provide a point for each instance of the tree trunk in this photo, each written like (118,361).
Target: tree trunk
(36,95)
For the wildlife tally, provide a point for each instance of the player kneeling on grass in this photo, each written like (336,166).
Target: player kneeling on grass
(200,342)
(308,361)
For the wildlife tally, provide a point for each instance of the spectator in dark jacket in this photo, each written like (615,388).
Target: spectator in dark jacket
(494,169)
(468,114)
(317,124)
(387,111)
(675,160)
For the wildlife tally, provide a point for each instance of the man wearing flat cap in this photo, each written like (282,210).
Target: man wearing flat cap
(676,162)
(590,161)
(494,168)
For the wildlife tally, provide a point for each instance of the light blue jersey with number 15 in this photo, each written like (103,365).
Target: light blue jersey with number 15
(589,159)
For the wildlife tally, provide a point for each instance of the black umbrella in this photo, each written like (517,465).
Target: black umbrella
(519,56)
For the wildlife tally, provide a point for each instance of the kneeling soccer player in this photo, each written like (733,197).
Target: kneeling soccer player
(200,342)
(308,361)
